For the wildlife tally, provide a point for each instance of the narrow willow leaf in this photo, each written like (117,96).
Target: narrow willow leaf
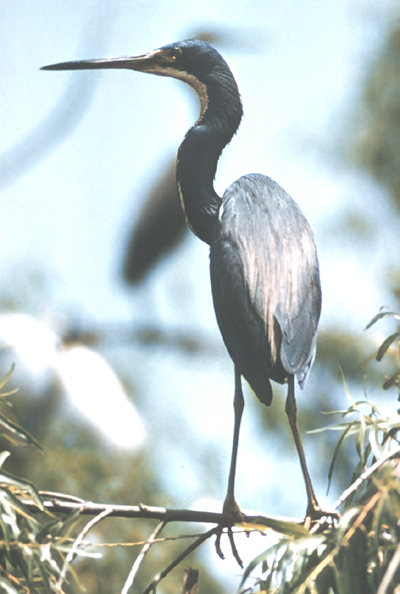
(3,457)
(5,529)
(14,504)
(380,515)
(262,557)
(386,344)
(281,526)
(346,521)
(7,587)
(44,571)
(391,381)
(65,526)
(20,560)
(360,441)
(338,427)
(7,377)
(335,453)
(380,316)
(346,390)
(376,446)
(21,434)
(388,424)
(10,480)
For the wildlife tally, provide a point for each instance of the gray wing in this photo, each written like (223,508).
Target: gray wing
(265,280)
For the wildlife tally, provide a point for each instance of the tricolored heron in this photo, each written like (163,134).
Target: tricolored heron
(263,259)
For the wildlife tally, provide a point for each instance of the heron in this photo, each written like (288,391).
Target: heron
(263,259)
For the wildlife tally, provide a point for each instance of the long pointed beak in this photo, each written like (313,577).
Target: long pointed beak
(145,63)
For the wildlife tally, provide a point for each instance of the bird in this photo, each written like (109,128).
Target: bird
(264,266)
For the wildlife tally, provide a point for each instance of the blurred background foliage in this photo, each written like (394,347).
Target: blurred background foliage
(377,149)
(79,460)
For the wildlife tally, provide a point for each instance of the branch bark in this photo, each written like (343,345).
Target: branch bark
(59,505)
(65,504)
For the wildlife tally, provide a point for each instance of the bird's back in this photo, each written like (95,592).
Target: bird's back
(265,283)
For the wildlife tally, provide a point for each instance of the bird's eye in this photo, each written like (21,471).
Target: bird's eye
(175,53)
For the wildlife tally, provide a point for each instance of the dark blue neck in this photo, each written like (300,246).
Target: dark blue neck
(199,153)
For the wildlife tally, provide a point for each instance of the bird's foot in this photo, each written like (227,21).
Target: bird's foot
(317,517)
(232,509)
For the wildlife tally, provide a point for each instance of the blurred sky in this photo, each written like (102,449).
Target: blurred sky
(68,199)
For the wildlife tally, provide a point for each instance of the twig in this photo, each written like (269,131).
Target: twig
(76,544)
(331,556)
(360,519)
(363,477)
(390,571)
(160,576)
(61,505)
(141,556)
(65,497)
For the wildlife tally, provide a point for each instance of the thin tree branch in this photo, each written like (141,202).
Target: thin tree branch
(63,504)
(364,476)
(141,556)
(357,483)
(160,576)
(88,508)
(389,573)
(76,544)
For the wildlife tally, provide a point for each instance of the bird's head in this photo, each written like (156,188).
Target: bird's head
(193,61)
(184,59)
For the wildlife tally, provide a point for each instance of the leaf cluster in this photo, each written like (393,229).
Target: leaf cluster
(378,146)
(32,546)
(394,378)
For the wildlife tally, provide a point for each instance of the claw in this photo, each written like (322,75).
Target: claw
(234,550)
(232,509)
(218,545)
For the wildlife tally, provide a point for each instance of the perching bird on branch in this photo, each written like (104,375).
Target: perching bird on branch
(263,260)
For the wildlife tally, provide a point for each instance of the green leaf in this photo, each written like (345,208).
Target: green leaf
(7,498)
(281,526)
(6,378)
(391,381)
(386,344)
(376,446)
(336,451)
(3,457)
(21,435)
(5,529)
(7,587)
(262,557)
(353,425)
(6,478)
(360,440)
(346,390)
(380,316)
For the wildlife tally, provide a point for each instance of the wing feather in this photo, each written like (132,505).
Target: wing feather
(265,281)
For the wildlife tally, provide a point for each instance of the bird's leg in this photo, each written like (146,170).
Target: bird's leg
(230,506)
(313,509)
